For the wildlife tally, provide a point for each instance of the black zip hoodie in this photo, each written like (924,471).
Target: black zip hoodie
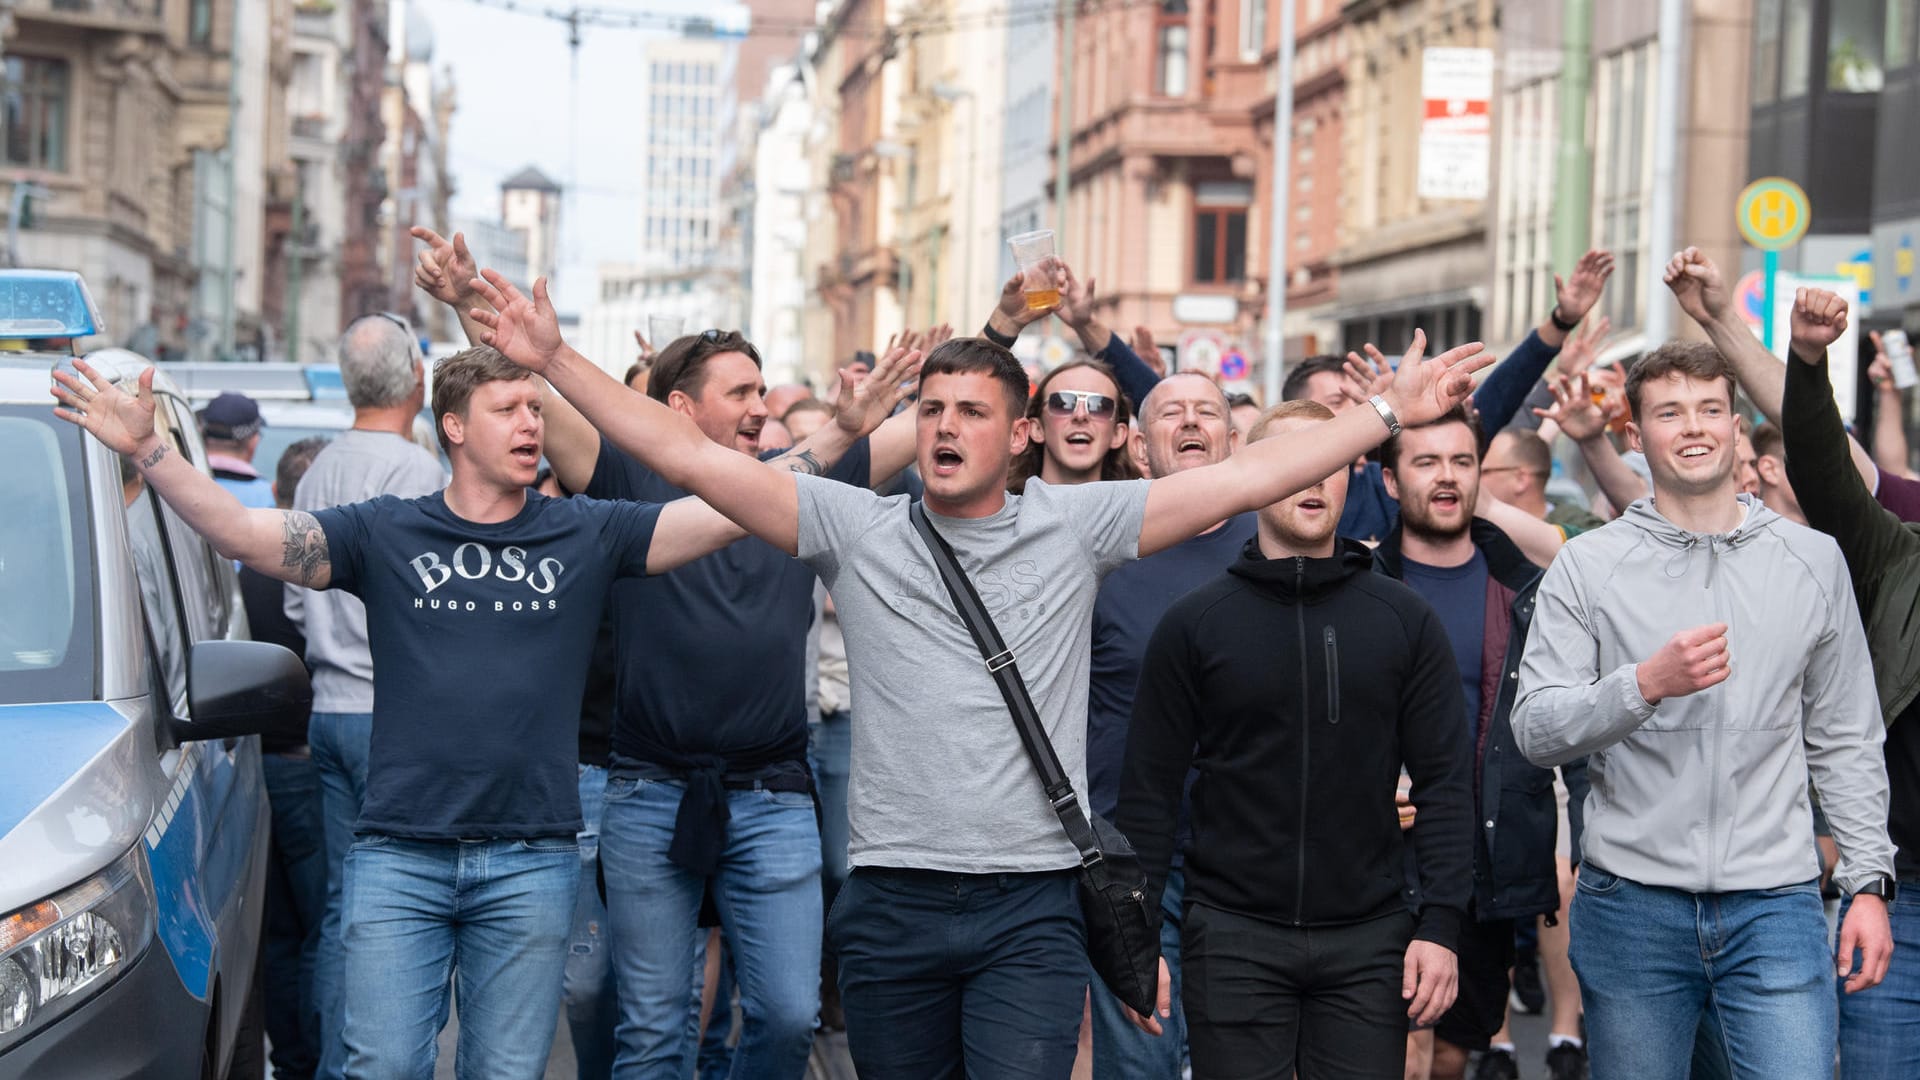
(1296,688)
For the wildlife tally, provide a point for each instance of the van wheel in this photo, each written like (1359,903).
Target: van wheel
(250,1045)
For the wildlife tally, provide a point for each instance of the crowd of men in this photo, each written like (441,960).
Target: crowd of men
(690,713)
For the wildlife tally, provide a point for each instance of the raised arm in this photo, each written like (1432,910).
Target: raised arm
(1183,504)
(1890,451)
(1506,387)
(526,331)
(284,544)
(1536,538)
(1583,421)
(1136,379)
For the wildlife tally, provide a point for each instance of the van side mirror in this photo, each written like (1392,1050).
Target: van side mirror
(239,688)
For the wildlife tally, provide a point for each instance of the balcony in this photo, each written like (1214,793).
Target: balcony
(314,19)
(133,16)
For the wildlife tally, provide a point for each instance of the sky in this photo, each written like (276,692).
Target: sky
(513,78)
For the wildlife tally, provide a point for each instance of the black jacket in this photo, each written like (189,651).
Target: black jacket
(1514,875)
(1297,688)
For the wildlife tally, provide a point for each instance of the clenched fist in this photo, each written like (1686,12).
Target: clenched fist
(1690,662)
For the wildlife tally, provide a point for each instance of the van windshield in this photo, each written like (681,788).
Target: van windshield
(46,586)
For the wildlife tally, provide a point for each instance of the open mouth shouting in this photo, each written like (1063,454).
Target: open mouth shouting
(526,454)
(1312,504)
(946,461)
(1446,500)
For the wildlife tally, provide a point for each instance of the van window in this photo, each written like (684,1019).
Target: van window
(158,598)
(205,578)
(46,585)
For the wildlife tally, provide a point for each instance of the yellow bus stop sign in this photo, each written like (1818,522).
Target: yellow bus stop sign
(1774,213)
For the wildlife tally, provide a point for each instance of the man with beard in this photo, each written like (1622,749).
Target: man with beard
(1482,587)
(1184,425)
(1300,661)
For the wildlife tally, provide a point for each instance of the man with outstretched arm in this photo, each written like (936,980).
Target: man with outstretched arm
(466,860)
(1699,843)
(960,935)
(1879,1025)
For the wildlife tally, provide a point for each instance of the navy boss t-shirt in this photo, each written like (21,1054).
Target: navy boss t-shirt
(712,654)
(481,635)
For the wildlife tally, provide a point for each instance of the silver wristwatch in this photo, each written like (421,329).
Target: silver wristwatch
(1386,414)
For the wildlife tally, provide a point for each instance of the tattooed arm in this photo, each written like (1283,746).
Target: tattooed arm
(284,544)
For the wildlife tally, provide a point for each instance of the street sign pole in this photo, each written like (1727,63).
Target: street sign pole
(1771,272)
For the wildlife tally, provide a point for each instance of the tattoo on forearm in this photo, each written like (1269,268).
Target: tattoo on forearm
(803,461)
(305,546)
(154,458)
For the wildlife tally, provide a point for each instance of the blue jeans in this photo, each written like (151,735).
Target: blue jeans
(491,916)
(946,976)
(588,990)
(830,753)
(338,743)
(1880,1027)
(1652,961)
(714,1060)
(767,890)
(1124,1052)
(296,904)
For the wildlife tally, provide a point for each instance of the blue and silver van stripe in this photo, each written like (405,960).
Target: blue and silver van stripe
(182,777)
(46,745)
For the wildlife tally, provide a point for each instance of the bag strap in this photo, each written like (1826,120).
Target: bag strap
(1006,674)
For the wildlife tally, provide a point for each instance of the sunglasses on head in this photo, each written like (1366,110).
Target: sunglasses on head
(1063,402)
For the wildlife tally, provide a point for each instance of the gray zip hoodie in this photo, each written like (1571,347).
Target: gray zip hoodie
(1708,792)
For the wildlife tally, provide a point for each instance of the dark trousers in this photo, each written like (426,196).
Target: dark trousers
(960,975)
(1264,999)
(296,902)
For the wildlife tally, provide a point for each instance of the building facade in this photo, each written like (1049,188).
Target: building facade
(530,206)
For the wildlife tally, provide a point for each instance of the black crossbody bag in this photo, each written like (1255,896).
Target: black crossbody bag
(1122,941)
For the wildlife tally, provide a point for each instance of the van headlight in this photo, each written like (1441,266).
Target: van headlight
(61,951)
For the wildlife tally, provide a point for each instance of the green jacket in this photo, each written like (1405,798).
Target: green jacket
(1882,552)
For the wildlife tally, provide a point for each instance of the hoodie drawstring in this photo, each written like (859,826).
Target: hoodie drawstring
(1677,565)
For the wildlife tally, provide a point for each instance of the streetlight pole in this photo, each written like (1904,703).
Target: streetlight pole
(1063,143)
(1276,230)
(1666,150)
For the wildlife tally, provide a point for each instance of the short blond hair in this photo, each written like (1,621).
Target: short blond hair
(1298,409)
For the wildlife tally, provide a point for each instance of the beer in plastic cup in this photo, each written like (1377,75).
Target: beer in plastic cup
(1900,358)
(1034,253)
(663,329)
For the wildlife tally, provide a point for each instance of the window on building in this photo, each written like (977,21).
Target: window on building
(1253,28)
(1796,48)
(1766,51)
(1172,58)
(36,113)
(200,22)
(1219,245)
(1903,16)
(1854,47)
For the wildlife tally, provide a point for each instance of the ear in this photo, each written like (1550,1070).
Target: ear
(1393,485)
(1233,439)
(1634,441)
(1121,433)
(455,428)
(679,402)
(1773,471)
(1024,430)
(1137,449)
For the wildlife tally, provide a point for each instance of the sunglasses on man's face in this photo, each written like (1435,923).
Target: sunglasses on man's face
(1099,406)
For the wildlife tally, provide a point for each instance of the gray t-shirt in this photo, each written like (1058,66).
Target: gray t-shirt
(939,779)
(354,467)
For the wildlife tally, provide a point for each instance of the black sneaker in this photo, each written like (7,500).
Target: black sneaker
(1496,1065)
(1567,1062)
(1529,996)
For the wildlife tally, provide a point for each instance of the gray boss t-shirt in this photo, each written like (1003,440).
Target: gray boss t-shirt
(940,781)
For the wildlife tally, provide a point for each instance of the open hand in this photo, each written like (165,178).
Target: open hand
(1577,294)
(1583,345)
(1690,661)
(1423,390)
(444,267)
(1697,284)
(1076,299)
(525,331)
(865,401)
(1366,376)
(1819,318)
(1013,296)
(1867,931)
(118,419)
(1574,409)
(1162,1005)
(1429,981)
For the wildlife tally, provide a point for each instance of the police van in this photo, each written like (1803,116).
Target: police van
(133,815)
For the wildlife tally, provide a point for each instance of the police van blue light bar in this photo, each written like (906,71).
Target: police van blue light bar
(46,304)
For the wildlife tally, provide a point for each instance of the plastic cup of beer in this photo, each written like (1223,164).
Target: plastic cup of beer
(1034,253)
(663,329)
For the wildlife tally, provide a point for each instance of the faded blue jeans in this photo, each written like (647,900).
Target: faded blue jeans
(488,917)
(592,1009)
(339,744)
(1880,1027)
(768,892)
(1652,961)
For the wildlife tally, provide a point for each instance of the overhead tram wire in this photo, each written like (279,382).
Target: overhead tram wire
(697,25)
